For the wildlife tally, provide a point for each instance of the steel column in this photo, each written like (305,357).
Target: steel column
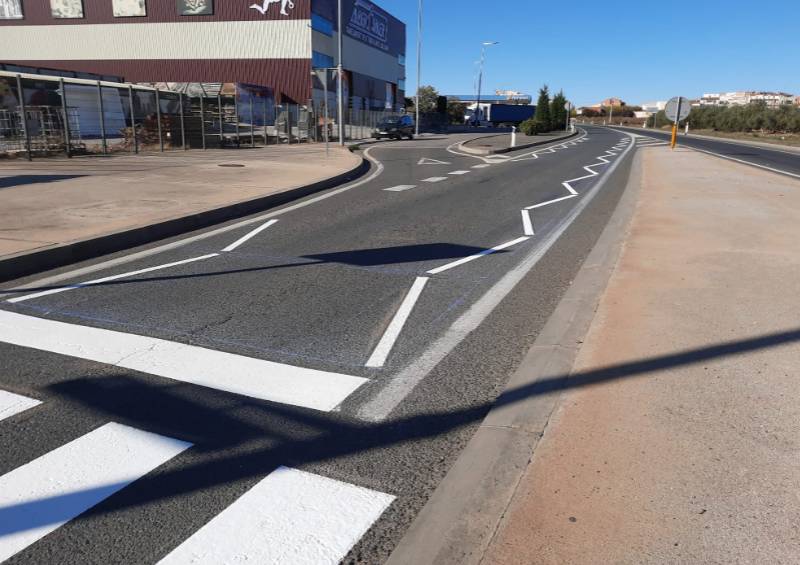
(158,119)
(133,120)
(24,116)
(102,116)
(64,111)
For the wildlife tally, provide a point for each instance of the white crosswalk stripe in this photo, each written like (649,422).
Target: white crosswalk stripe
(40,496)
(12,404)
(291,516)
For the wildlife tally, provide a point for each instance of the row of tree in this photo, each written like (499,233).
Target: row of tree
(752,117)
(550,114)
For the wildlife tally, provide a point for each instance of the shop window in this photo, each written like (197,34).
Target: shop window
(66,9)
(195,7)
(129,8)
(10,9)
(322,25)
(321,60)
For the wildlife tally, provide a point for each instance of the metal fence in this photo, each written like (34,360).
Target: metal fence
(45,115)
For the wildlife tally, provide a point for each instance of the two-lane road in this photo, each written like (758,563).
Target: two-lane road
(289,387)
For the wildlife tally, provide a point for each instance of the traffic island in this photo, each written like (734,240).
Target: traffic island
(501,143)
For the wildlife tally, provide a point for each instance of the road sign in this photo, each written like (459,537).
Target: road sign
(676,105)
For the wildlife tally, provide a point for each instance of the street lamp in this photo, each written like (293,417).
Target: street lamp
(419,62)
(339,93)
(484,45)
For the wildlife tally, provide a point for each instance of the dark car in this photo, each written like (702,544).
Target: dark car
(396,127)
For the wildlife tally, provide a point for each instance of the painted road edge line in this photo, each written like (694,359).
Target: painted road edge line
(385,345)
(12,404)
(111,278)
(39,497)
(469,258)
(290,516)
(250,234)
(256,378)
(527,223)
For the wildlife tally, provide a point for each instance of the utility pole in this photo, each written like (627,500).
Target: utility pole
(611,114)
(419,62)
(340,93)
(484,45)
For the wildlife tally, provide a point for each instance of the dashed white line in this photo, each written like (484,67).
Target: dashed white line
(291,516)
(11,404)
(401,187)
(481,165)
(457,172)
(527,223)
(49,491)
(111,278)
(434,179)
(463,260)
(250,234)
(257,378)
(385,345)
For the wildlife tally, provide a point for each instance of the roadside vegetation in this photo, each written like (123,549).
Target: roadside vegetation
(551,114)
(755,117)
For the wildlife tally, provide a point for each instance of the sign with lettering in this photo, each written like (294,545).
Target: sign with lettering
(369,24)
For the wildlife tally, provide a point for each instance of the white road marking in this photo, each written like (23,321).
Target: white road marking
(385,345)
(401,187)
(463,260)
(401,385)
(434,179)
(111,278)
(481,165)
(248,235)
(291,516)
(429,161)
(11,404)
(457,172)
(211,233)
(567,197)
(44,494)
(781,171)
(527,223)
(256,378)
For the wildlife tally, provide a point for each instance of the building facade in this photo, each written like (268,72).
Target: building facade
(742,98)
(272,43)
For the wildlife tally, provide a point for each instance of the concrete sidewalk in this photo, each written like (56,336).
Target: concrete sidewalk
(52,203)
(677,436)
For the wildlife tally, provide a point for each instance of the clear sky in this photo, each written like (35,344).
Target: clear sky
(639,51)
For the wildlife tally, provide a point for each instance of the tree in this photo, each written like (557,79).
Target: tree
(558,111)
(542,115)
(427,99)
(455,112)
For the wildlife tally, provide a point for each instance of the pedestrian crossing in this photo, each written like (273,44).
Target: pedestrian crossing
(288,516)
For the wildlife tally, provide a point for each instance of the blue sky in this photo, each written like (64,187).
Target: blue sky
(632,51)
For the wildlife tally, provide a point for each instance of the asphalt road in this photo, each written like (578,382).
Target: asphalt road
(772,159)
(312,377)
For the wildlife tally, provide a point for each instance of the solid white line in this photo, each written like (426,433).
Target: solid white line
(392,394)
(463,260)
(748,162)
(567,197)
(434,179)
(218,231)
(11,404)
(401,187)
(247,236)
(385,345)
(481,165)
(458,173)
(42,495)
(256,378)
(527,223)
(111,278)
(568,186)
(291,516)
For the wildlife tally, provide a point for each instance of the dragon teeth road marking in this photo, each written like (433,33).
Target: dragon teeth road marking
(291,516)
(469,258)
(250,234)
(385,345)
(108,279)
(256,378)
(44,494)
(527,223)
(12,404)
(547,203)
(401,187)
(434,179)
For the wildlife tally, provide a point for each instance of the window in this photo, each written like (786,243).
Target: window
(195,7)
(321,60)
(401,84)
(66,8)
(129,8)
(401,59)
(10,9)
(322,25)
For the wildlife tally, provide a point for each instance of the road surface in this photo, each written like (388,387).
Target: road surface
(290,387)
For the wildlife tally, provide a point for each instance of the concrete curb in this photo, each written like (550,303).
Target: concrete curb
(24,264)
(458,523)
(463,145)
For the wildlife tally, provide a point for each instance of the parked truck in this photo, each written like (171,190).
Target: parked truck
(510,114)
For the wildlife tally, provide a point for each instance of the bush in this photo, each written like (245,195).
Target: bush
(532,126)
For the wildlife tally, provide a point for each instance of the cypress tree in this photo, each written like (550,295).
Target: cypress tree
(558,113)
(542,115)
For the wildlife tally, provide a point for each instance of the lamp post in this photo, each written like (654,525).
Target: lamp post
(484,45)
(419,63)
(340,94)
